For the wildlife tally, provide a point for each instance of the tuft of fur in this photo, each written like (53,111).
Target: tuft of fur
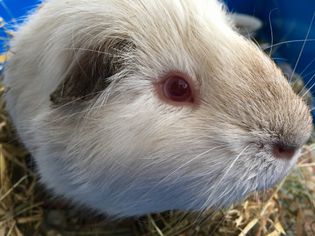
(123,151)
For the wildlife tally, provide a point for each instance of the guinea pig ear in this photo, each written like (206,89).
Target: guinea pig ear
(88,74)
(245,24)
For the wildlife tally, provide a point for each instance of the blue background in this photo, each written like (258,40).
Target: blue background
(14,11)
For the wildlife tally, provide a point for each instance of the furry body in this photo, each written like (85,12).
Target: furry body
(124,151)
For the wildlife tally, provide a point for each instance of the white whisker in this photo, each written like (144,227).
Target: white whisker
(309,89)
(214,188)
(306,67)
(303,46)
(290,41)
(271,31)
(179,168)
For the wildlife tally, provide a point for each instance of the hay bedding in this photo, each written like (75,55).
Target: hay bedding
(26,209)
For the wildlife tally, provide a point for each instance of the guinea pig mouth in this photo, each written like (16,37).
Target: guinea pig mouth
(260,167)
(272,170)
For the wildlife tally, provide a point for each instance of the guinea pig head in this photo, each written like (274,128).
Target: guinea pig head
(170,109)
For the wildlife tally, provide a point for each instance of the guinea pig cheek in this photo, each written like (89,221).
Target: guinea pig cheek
(177,89)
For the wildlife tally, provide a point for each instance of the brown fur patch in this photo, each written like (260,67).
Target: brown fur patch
(89,74)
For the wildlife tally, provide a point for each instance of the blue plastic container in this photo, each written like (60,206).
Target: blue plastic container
(290,20)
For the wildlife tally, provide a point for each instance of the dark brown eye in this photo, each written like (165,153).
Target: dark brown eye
(177,89)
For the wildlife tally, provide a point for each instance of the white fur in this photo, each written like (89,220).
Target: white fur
(128,152)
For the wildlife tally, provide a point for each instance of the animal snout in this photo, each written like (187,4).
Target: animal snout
(283,151)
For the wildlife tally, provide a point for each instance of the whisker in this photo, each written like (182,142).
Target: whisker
(309,81)
(305,69)
(309,73)
(280,59)
(271,30)
(290,41)
(206,203)
(275,47)
(309,89)
(180,167)
(303,46)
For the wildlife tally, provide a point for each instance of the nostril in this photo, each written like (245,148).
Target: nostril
(283,151)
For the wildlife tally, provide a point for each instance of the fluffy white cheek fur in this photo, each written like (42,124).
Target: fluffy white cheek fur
(121,164)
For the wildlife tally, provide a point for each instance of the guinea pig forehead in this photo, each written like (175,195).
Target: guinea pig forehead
(173,33)
(198,58)
(243,62)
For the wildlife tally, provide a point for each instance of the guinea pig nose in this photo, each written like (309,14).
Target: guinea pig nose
(283,151)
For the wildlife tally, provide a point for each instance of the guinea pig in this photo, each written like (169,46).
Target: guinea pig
(134,107)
